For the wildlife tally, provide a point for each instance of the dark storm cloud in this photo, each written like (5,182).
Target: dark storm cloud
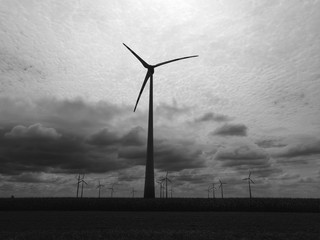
(192,178)
(231,130)
(301,147)
(210,116)
(69,115)
(169,155)
(104,137)
(245,157)
(68,153)
(176,155)
(135,137)
(71,136)
(33,131)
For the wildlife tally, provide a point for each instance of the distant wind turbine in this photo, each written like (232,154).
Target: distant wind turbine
(221,187)
(111,190)
(208,190)
(78,183)
(99,187)
(171,191)
(132,192)
(161,187)
(149,190)
(82,181)
(249,183)
(213,188)
(166,180)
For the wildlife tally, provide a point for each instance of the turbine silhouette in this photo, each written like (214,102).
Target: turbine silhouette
(213,188)
(149,191)
(166,180)
(99,187)
(249,182)
(221,187)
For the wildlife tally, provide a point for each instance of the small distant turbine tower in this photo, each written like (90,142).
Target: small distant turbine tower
(160,182)
(99,187)
(221,187)
(111,190)
(82,181)
(78,183)
(213,188)
(132,192)
(249,183)
(149,191)
(166,180)
(208,190)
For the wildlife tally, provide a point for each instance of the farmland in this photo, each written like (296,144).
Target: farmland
(157,225)
(134,218)
(170,204)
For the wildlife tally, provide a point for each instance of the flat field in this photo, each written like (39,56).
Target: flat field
(158,225)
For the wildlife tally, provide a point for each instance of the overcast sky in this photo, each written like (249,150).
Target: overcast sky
(250,102)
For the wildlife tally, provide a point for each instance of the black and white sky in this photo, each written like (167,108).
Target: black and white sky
(250,102)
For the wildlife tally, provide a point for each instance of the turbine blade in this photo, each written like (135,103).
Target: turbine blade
(146,65)
(173,60)
(252,181)
(141,90)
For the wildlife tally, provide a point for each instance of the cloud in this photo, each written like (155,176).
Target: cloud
(67,154)
(269,143)
(298,147)
(76,115)
(72,136)
(33,131)
(104,137)
(231,130)
(169,155)
(210,116)
(171,111)
(244,157)
(135,137)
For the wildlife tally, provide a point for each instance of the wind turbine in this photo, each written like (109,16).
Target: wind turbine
(221,187)
(249,182)
(112,190)
(132,192)
(99,187)
(213,190)
(166,180)
(78,183)
(82,181)
(149,191)
(171,191)
(160,182)
(208,190)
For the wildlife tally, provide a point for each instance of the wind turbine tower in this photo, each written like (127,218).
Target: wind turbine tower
(82,181)
(78,184)
(221,187)
(132,192)
(249,183)
(149,189)
(111,190)
(213,190)
(99,187)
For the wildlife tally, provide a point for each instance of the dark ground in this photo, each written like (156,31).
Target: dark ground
(158,225)
(170,204)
